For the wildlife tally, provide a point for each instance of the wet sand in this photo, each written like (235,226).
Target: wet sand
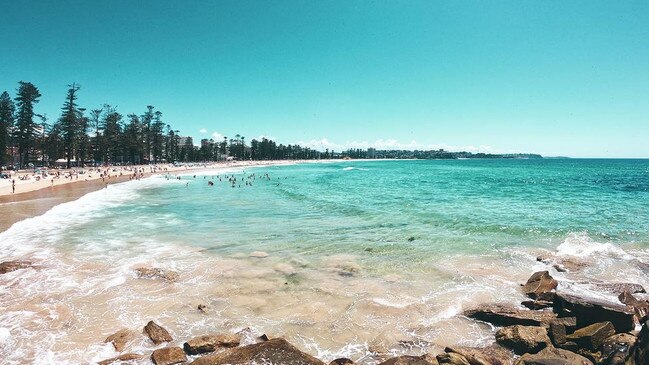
(16,207)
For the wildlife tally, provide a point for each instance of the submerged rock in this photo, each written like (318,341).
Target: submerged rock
(275,351)
(120,338)
(504,315)
(538,284)
(156,273)
(589,311)
(209,343)
(618,288)
(523,339)
(258,254)
(9,266)
(168,356)
(553,356)
(591,337)
(122,359)
(157,333)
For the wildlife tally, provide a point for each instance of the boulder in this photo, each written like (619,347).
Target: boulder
(156,333)
(553,356)
(557,332)
(617,348)
(9,266)
(209,343)
(120,338)
(259,254)
(341,361)
(411,360)
(156,273)
(122,359)
(452,358)
(503,315)
(490,355)
(590,310)
(275,351)
(523,339)
(168,356)
(591,337)
(539,283)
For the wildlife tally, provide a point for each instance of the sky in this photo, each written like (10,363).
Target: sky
(559,78)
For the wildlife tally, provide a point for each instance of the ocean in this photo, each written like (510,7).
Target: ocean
(353,258)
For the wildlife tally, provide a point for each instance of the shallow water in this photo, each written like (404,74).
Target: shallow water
(364,258)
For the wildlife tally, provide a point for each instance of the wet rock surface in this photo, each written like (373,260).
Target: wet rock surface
(168,356)
(276,351)
(210,343)
(157,333)
(504,315)
(156,273)
(523,339)
(590,310)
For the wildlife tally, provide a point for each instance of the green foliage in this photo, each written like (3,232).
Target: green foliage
(6,124)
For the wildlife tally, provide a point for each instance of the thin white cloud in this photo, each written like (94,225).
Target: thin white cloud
(217,136)
(393,144)
(202,131)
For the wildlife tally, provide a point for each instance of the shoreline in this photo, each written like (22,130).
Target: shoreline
(38,197)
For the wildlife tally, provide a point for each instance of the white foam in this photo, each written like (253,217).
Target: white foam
(582,245)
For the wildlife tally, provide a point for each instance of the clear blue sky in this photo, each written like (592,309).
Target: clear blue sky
(552,77)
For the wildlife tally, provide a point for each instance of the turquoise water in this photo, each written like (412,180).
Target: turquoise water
(348,259)
(443,207)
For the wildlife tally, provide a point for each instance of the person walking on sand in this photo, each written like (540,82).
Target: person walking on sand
(13,186)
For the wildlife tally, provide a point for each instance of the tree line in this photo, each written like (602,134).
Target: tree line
(104,136)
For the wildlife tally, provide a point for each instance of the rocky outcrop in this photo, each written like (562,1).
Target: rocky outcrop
(523,339)
(121,338)
(490,355)
(503,315)
(122,359)
(553,356)
(411,360)
(157,333)
(452,358)
(156,273)
(168,356)
(9,266)
(593,336)
(209,343)
(275,351)
(539,285)
(617,348)
(589,311)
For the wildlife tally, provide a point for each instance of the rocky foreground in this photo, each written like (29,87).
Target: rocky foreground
(551,328)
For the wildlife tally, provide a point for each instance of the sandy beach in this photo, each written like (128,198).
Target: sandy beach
(36,194)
